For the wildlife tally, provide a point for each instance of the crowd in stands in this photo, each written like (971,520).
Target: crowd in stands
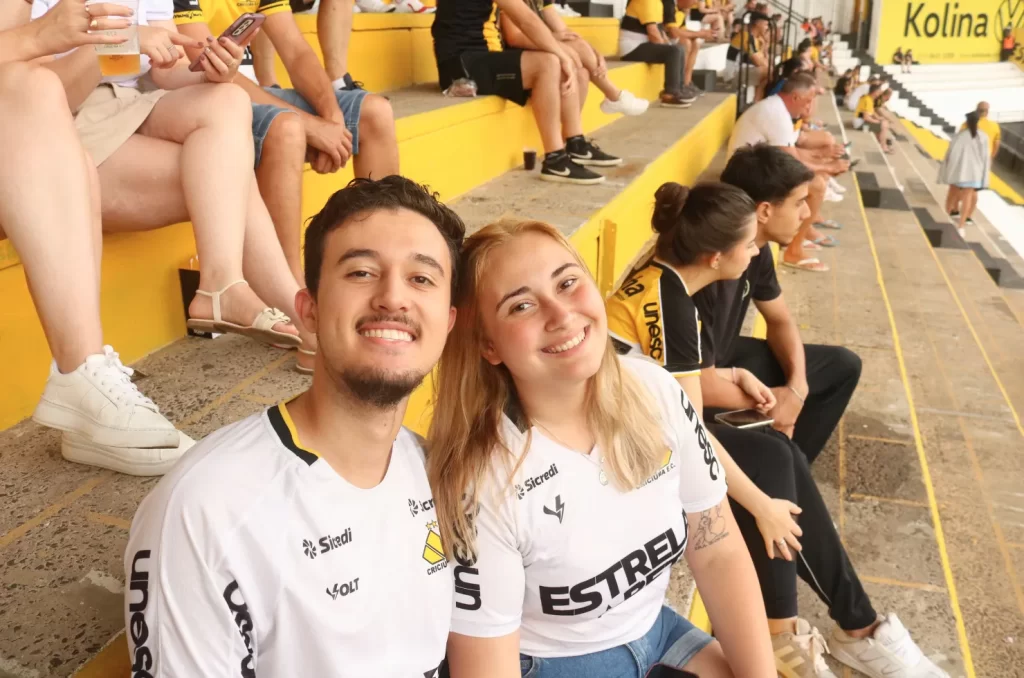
(578,447)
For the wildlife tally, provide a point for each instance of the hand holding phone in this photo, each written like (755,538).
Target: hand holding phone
(230,47)
(744,419)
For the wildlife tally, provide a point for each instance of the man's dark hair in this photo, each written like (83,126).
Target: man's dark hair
(765,173)
(364,196)
(804,45)
(757,16)
(874,88)
(799,82)
(791,67)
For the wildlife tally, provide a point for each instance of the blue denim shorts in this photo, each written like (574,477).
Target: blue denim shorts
(673,640)
(349,101)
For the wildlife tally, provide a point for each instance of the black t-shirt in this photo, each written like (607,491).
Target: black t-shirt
(459,27)
(723,305)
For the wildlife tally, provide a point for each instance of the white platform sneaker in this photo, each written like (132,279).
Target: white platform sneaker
(889,652)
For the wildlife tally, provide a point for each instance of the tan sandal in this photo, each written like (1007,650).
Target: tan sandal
(299,368)
(261,329)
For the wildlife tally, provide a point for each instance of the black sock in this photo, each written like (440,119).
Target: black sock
(554,155)
(574,141)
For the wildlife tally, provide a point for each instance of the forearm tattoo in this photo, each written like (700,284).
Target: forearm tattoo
(710,528)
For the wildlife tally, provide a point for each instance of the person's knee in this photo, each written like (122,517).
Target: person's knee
(818,184)
(227,101)
(286,132)
(376,119)
(845,364)
(33,85)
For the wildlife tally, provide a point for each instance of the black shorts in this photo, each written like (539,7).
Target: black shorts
(696,14)
(498,73)
(734,54)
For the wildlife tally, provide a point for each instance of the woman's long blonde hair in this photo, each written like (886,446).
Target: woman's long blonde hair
(472,395)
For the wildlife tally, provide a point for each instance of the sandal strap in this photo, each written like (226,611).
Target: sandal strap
(269,317)
(215,296)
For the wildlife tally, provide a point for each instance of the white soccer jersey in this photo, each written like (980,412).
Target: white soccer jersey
(254,558)
(574,564)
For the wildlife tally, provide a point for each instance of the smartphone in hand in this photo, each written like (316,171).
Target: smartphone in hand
(744,419)
(238,32)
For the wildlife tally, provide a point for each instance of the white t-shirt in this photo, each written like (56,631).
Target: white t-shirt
(576,565)
(766,121)
(252,557)
(853,97)
(149,10)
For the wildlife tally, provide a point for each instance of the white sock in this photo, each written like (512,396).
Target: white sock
(339,83)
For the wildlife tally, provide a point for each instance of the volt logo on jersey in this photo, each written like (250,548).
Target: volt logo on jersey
(342,590)
(433,550)
(558,511)
(624,578)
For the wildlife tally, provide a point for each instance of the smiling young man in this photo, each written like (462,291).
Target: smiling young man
(303,541)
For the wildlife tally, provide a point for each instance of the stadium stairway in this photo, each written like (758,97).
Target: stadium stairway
(63,533)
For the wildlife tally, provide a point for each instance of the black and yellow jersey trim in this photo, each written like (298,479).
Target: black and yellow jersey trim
(492,32)
(753,44)
(283,425)
(641,13)
(219,14)
(653,314)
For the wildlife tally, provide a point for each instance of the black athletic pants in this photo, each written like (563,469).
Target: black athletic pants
(777,466)
(832,376)
(673,56)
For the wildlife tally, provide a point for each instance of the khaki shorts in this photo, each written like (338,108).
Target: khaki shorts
(110,115)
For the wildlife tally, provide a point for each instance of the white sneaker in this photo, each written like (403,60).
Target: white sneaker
(412,7)
(98,401)
(836,186)
(832,196)
(889,653)
(133,461)
(374,6)
(627,104)
(801,654)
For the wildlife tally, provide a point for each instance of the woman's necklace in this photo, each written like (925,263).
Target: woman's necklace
(602,477)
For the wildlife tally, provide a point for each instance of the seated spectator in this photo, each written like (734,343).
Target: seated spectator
(529,386)
(160,166)
(716,17)
(908,60)
(236,574)
(859,90)
(771,121)
(316,121)
(842,87)
(50,211)
(747,50)
(706,239)
(641,39)
(674,21)
(593,64)
(788,69)
(867,116)
(467,46)
(965,168)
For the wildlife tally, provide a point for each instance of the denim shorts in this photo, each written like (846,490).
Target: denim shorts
(672,640)
(349,101)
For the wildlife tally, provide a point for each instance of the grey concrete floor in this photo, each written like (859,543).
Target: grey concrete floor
(941,443)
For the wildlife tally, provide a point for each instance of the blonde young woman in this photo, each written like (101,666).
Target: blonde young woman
(569,480)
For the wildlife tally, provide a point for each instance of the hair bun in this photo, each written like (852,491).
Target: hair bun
(669,201)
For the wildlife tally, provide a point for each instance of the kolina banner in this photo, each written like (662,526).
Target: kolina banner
(943,31)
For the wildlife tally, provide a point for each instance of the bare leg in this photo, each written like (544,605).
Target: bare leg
(970,200)
(208,122)
(589,59)
(582,85)
(280,183)
(692,50)
(378,145)
(542,74)
(334,29)
(57,238)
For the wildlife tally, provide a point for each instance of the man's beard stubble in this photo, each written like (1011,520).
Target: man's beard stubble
(379,388)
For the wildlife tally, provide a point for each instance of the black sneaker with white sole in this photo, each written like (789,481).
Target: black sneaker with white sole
(586,152)
(561,168)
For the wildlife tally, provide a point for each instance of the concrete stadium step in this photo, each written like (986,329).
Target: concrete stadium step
(451,144)
(64,528)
